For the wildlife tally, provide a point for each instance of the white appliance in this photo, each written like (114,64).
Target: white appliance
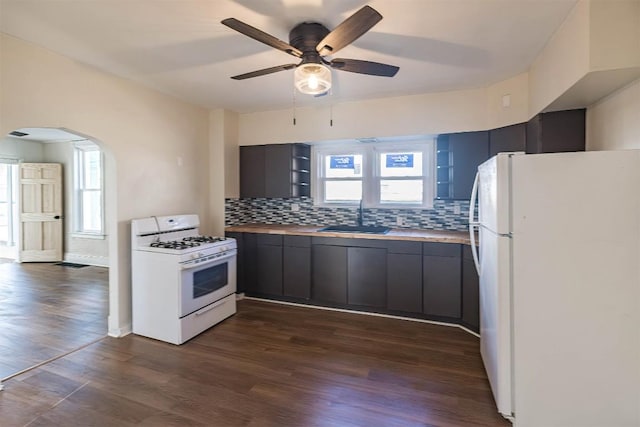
(182,283)
(559,266)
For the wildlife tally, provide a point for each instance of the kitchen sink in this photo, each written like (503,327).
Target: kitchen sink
(373,229)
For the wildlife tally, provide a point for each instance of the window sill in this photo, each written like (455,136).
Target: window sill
(95,236)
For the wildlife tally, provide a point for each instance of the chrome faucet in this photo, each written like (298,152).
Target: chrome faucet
(360,215)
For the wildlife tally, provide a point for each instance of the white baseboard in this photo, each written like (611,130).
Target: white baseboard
(98,261)
(120,332)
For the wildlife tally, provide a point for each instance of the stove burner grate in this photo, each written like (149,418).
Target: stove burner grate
(203,239)
(174,244)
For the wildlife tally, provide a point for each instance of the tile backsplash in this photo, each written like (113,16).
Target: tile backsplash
(443,216)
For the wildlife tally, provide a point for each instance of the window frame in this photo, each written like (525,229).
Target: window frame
(79,149)
(371,173)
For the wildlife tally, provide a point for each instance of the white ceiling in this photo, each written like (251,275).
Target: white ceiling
(180,48)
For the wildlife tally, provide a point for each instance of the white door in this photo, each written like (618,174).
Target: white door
(40,212)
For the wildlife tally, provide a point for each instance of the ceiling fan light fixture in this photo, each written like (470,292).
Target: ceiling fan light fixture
(312,78)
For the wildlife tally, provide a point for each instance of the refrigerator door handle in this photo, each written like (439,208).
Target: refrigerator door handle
(472,223)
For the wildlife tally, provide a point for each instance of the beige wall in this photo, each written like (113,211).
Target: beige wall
(563,61)
(158,145)
(595,52)
(517,91)
(15,149)
(387,117)
(614,122)
(231,155)
(614,34)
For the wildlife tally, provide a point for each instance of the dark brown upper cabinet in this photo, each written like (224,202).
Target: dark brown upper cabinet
(458,157)
(508,139)
(556,132)
(275,171)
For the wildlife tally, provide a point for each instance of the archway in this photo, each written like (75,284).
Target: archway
(110,216)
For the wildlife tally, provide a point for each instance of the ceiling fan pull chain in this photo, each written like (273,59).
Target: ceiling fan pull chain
(330,113)
(294,106)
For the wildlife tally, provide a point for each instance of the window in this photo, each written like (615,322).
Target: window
(343,177)
(88,206)
(385,175)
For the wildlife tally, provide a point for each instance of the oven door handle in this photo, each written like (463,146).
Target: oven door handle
(189,265)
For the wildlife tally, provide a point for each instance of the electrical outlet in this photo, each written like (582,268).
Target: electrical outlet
(295,207)
(456,209)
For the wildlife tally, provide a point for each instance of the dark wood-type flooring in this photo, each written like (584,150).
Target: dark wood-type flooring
(269,365)
(47,310)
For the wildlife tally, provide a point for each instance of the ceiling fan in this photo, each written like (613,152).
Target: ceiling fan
(311,42)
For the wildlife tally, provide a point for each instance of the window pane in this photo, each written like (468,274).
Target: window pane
(401,191)
(407,163)
(92,169)
(91,212)
(342,191)
(343,166)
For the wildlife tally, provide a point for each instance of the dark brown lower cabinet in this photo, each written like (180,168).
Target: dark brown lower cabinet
(250,262)
(424,280)
(442,281)
(240,267)
(470,291)
(367,277)
(404,276)
(329,267)
(269,254)
(297,267)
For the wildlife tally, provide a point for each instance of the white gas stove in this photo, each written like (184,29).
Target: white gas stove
(182,283)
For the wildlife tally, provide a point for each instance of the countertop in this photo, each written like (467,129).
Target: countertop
(440,236)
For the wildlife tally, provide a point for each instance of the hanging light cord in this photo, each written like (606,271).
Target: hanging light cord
(294,106)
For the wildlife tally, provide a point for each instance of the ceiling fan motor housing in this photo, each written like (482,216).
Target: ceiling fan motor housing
(305,37)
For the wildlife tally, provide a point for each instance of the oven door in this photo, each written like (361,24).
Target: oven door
(207,282)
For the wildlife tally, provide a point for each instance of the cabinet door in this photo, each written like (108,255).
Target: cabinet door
(558,131)
(367,277)
(297,271)
(250,261)
(277,179)
(269,270)
(508,139)
(470,291)
(252,170)
(329,273)
(404,282)
(468,150)
(240,262)
(442,280)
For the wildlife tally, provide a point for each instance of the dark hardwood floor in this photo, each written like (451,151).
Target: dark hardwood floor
(269,365)
(47,310)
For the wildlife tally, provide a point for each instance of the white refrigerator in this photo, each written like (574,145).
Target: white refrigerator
(559,264)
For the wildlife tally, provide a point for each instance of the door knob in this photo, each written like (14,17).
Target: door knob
(56,217)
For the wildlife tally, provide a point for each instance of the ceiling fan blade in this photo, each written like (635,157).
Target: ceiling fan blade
(261,36)
(264,71)
(364,67)
(349,30)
